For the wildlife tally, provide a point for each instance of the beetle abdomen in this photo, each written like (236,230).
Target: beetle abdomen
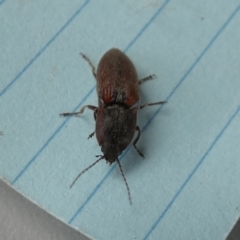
(117,80)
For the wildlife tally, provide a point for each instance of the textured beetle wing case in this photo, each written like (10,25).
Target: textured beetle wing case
(117,79)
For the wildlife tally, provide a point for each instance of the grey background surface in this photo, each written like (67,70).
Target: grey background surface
(22,220)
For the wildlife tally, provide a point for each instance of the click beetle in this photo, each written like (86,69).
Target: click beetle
(116,114)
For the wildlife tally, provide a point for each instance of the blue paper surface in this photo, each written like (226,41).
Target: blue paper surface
(187,187)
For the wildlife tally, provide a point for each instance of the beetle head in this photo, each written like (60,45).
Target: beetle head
(110,152)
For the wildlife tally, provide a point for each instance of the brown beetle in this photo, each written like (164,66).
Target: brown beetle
(116,114)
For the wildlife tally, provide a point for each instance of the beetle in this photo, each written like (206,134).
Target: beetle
(116,114)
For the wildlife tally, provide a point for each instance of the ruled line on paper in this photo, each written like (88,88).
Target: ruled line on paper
(42,50)
(199,163)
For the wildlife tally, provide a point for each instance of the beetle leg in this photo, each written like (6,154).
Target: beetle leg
(151,104)
(90,64)
(150,77)
(91,135)
(95,116)
(81,111)
(136,140)
(95,113)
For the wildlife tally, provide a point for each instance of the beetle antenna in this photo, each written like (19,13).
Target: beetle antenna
(78,176)
(128,189)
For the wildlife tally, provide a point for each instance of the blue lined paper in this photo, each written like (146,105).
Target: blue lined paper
(189,178)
